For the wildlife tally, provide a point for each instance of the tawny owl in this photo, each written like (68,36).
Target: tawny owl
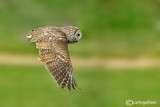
(53,50)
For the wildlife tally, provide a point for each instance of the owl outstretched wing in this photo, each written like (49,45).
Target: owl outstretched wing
(53,50)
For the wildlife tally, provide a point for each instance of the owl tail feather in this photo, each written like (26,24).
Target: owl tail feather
(72,83)
(77,85)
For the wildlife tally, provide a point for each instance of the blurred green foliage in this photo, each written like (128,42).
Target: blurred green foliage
(34,87)
(111,28)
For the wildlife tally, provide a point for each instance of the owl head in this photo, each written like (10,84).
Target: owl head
(73,34)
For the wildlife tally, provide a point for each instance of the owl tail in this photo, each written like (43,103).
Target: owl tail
(72,83)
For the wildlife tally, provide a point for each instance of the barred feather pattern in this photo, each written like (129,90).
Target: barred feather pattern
(58,63)
(53,50)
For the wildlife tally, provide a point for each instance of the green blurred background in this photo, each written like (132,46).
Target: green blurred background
(112,29)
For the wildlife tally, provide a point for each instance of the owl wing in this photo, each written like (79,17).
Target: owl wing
(54,51)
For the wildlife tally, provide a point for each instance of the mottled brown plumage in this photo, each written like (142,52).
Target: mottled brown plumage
(53,50)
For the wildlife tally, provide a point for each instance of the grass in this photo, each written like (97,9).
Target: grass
(25,86)
(110,28)
(114,44)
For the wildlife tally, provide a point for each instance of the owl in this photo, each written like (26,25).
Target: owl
(52,43)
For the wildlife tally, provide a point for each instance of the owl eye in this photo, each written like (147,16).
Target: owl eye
(78,34)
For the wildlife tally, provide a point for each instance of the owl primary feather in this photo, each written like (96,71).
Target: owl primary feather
(52,43)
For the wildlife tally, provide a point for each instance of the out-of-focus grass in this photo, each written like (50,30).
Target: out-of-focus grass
(119,28)
(23,86)
(114,44)
(110,28)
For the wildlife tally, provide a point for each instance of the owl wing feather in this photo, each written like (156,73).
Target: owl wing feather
(53,50)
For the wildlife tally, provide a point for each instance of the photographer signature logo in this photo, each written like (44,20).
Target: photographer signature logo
(130,102)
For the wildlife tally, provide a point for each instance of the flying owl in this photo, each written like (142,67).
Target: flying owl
(52,43)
